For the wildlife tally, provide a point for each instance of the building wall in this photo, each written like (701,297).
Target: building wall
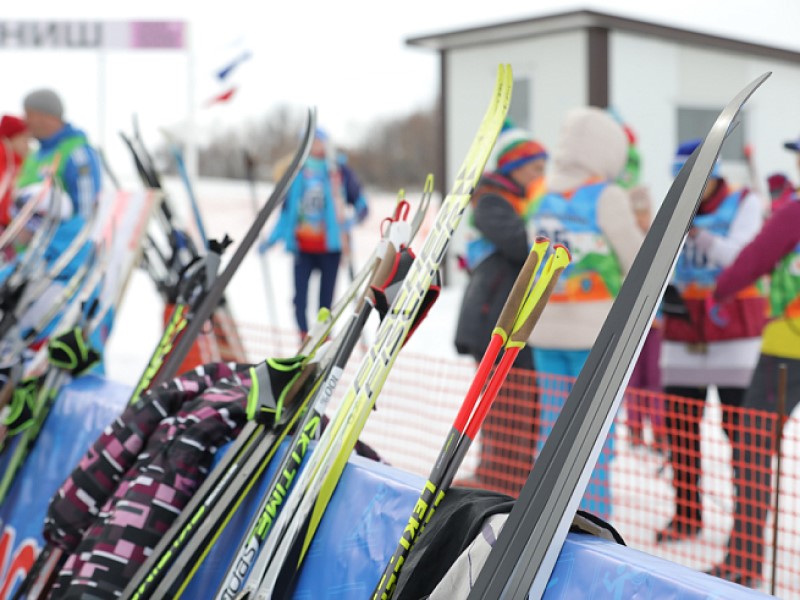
(651,78)
(555,66)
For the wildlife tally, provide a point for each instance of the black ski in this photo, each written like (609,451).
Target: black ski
(214,294)
(520,564)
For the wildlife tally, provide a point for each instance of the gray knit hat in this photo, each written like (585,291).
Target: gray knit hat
(44,101)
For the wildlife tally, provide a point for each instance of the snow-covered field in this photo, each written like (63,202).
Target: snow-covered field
(430,372)
(227,208)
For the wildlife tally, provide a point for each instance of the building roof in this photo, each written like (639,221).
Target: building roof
(583,19)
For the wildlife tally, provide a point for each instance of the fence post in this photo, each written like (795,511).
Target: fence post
(778,437)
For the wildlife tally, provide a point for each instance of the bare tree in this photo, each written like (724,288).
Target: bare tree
(397,152)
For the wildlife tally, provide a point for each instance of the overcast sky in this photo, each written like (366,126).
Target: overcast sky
(349,58)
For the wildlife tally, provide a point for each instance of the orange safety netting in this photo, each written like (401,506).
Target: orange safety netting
(701,475)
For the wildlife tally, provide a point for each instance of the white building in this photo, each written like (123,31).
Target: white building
(667,83)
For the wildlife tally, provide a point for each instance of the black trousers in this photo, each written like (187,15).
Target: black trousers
(753,449)
(683,433)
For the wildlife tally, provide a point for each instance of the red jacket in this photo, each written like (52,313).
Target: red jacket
(9,167)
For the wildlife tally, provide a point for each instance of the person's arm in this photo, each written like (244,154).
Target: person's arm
(83,179)
(497,220)
(617,221)
(779,236)
(354,193)
(282,226)
(723,250)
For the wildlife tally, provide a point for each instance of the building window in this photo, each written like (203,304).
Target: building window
(696,123)
(519,111)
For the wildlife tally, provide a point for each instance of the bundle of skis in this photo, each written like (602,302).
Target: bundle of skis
(201,291)
(51,308)
(171,251)
(113,495)
(402,288)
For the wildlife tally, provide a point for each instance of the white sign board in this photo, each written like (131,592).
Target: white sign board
(98,35)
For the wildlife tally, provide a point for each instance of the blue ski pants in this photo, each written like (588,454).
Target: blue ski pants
(305,263)
(552,366)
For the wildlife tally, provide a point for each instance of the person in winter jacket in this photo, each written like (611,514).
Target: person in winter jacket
(14,146)
(65,156)
(588,212)
(314,227)
(646,375)
(65,150)
(497,247)
(775,251)
(709,345)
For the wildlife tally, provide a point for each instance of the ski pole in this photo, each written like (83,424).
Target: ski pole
(200,512)
(778,436)
(515,323)
(247,563)
(107,168)
(403,315)
(196,281)
(25,214)
(266,274)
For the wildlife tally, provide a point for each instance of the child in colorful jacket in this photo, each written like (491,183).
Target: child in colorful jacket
(588,212)
(497,247)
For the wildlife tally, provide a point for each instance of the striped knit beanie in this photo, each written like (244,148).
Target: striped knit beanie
(515,147)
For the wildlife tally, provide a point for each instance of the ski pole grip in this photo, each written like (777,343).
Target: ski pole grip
(383,270)
(522,286)
(547,282)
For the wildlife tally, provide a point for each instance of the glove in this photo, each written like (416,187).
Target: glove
(23,406)
(716,312)
(703,240)
(71,351)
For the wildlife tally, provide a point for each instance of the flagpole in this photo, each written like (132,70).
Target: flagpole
(190,152)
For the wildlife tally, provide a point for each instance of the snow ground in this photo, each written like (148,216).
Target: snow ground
(641,484)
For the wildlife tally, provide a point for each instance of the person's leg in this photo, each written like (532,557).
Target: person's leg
(731,399)
(635,400)
(554,382)
(303,265)
(597,497)
(683,417)
(652,383)
(753,446)
(752,458)
(328,265)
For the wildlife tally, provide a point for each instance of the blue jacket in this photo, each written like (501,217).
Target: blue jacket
(79,173)
(353,192)
(314,172)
